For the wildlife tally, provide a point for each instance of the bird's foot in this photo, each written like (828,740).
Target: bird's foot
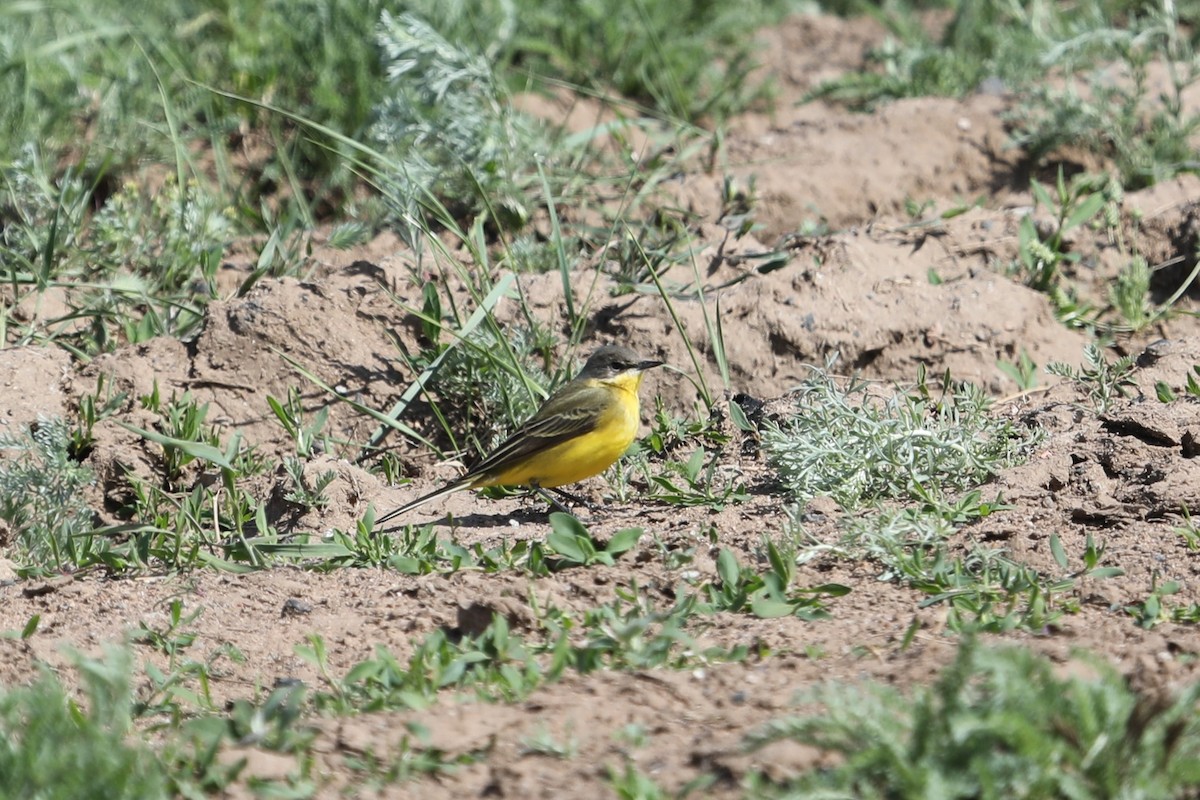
(570,498)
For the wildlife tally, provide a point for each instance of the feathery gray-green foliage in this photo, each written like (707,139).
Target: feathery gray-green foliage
(449,131)
(998,723)
(53,747)
(41,496)
(859,448)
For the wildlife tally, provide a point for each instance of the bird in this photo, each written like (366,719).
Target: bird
(578,432)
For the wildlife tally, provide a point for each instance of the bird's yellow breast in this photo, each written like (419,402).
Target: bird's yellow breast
(589,453)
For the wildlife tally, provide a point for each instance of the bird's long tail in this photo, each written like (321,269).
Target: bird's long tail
(448,489)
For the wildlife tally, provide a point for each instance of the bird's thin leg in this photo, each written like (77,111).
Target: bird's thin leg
(553,501)
(574,498)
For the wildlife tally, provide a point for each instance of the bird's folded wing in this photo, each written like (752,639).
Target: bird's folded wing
(555,422)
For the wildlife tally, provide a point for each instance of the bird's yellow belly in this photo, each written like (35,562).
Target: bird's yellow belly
(578,458)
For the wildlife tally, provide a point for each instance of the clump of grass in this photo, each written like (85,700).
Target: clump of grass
(1129,294)
(690,60)
(58,748)
(530,253)
(451,135)
(142,265)
(1012,46)
(997,723)
(860,449)
(1079,202)
(985,40)
(123,87)
(659,54)
(1045,257)
(487,384)
(1104,382)
(1147,133)
(41,496)
(914,463)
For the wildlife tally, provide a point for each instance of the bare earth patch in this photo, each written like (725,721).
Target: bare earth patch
(862,292)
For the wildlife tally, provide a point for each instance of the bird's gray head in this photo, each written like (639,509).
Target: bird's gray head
(614,359)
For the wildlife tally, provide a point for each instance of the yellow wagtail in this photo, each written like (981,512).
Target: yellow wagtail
(578,432)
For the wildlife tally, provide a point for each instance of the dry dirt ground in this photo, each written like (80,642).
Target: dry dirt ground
(862,291)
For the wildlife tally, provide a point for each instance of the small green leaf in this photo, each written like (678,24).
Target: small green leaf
(737,415)
(1164,392)
(200,450)
(568,547)
(277,409)
(316,550)
(765,608)
(727,568)
(828,589)
(432,311)
(770,584)
(1084,211)
(363,671)
(779,565)
(568,524)
(1151,611)
(500,632)
(623,540)
(31,626)
(962,208)
(1040,195)
(1056,549)
(570,539)
(406,565)
(1192,388)
(454,672)
(910,632)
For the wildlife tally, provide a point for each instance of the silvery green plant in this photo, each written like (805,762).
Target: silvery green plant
(454,142)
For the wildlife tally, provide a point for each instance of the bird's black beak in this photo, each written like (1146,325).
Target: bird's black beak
(645,365)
